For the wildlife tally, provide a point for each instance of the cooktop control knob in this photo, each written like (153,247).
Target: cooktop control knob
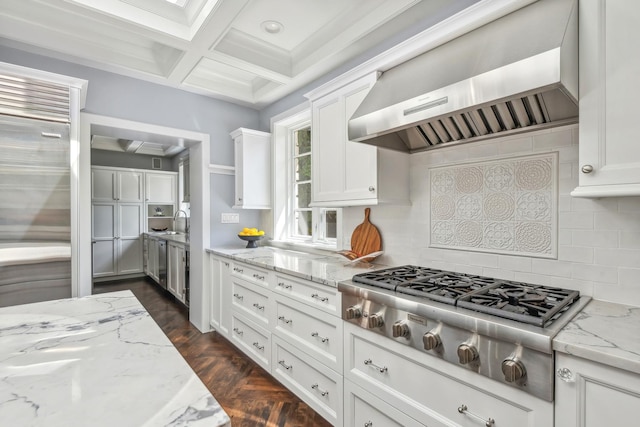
(513,370)
(375,321)
(400,329)
(431,340)
(467,354)
(354,312)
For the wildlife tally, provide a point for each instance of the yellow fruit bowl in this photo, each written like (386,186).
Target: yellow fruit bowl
(251,240)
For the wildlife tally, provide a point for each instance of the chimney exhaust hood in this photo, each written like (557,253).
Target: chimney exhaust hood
(515,74)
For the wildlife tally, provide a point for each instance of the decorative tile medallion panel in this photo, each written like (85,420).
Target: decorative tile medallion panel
(506,206)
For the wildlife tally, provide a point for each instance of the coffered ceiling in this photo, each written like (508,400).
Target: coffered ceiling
(251,52)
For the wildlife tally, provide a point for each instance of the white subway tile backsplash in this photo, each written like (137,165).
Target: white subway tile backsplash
(480,150)
(629,204)
(514,263)
(575,220)
(565,170)
(630,240)
(617,257)
(580,204)
(575,254)
(546,141)
(498,273)
(564,237)
(595,273)
(629,276)
(628,295)
(595,238)
(516,146)
(611,220)
(551,268)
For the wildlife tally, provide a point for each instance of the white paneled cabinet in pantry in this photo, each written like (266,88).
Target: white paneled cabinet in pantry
(347,173)
(252,150)
(609,90)
(111,185)
(161,187)
(591,394)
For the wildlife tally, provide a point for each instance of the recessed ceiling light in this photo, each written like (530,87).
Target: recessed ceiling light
(273,27)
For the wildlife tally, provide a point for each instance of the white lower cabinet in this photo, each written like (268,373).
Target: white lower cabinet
(252,339)
(250,300)
(176,265)
(428,389)
(363,409)
(314,383)
(309,329)
(589,394)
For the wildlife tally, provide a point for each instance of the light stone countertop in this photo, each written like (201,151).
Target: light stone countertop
(178,238)
(96,361)
(604,332)
(327,269)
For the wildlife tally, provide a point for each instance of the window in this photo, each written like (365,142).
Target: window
(295,219)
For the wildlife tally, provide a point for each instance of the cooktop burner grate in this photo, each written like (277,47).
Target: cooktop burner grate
(523,302)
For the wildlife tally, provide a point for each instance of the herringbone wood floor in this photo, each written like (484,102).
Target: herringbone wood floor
(247,393)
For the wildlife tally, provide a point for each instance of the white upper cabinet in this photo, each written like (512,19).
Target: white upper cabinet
(161,187)
(609,90)
(108,185)
(347,173)
(253,169)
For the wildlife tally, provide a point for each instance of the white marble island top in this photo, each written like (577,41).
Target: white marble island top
(327,269)
(96,361)
(604,332)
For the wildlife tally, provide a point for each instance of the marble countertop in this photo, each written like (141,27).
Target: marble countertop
(327,269)
(96,361)
(604,332)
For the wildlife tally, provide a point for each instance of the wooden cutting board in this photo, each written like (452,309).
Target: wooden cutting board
(364,240)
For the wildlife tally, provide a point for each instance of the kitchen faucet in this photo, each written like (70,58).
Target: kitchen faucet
(186,221)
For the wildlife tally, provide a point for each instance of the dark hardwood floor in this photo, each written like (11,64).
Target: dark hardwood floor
(247,392)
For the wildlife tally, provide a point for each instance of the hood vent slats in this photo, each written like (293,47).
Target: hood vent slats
(512,115)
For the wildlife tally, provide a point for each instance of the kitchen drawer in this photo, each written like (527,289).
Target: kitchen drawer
(250,300)
(314,383)
(431,390)
(326,298)
(253,340)
(364,409)
(313,331)
(250,273)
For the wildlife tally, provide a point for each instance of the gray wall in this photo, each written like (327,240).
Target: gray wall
(130,160)
(123,97)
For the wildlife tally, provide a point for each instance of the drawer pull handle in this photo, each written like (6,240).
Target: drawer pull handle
(284,365)
(240,297)
(285,320)
(381,369)
(322,392)
(258,306)
(489,422)
(368,424)
(258,346)
(318,297)
(259,277)
(282,285)
(323,339)
(237,270)
(238,331)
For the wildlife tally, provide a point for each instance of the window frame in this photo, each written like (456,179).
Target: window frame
(285,225)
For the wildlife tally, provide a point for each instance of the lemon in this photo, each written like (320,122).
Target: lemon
(246,230)
(261,233)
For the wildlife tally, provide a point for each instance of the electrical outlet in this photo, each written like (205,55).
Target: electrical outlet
(229,218)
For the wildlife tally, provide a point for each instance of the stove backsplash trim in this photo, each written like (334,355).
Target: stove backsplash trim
(506,206)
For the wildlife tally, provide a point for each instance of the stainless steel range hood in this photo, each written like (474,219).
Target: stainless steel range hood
(515,74)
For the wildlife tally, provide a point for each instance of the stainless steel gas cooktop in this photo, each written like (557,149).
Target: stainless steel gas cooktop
(499,328)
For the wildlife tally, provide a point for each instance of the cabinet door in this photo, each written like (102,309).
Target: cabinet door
(103,185)
(160,188)
(238,153)
(361,166)
(609,88)
(327,149)
(130,188)
(130,223)
(103,230)
(153,259)
(176,271)
(590,394)
(214,296)
(225,298)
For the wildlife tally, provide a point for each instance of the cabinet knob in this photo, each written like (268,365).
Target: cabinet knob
(587,169)
(565,375)
(372,189)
